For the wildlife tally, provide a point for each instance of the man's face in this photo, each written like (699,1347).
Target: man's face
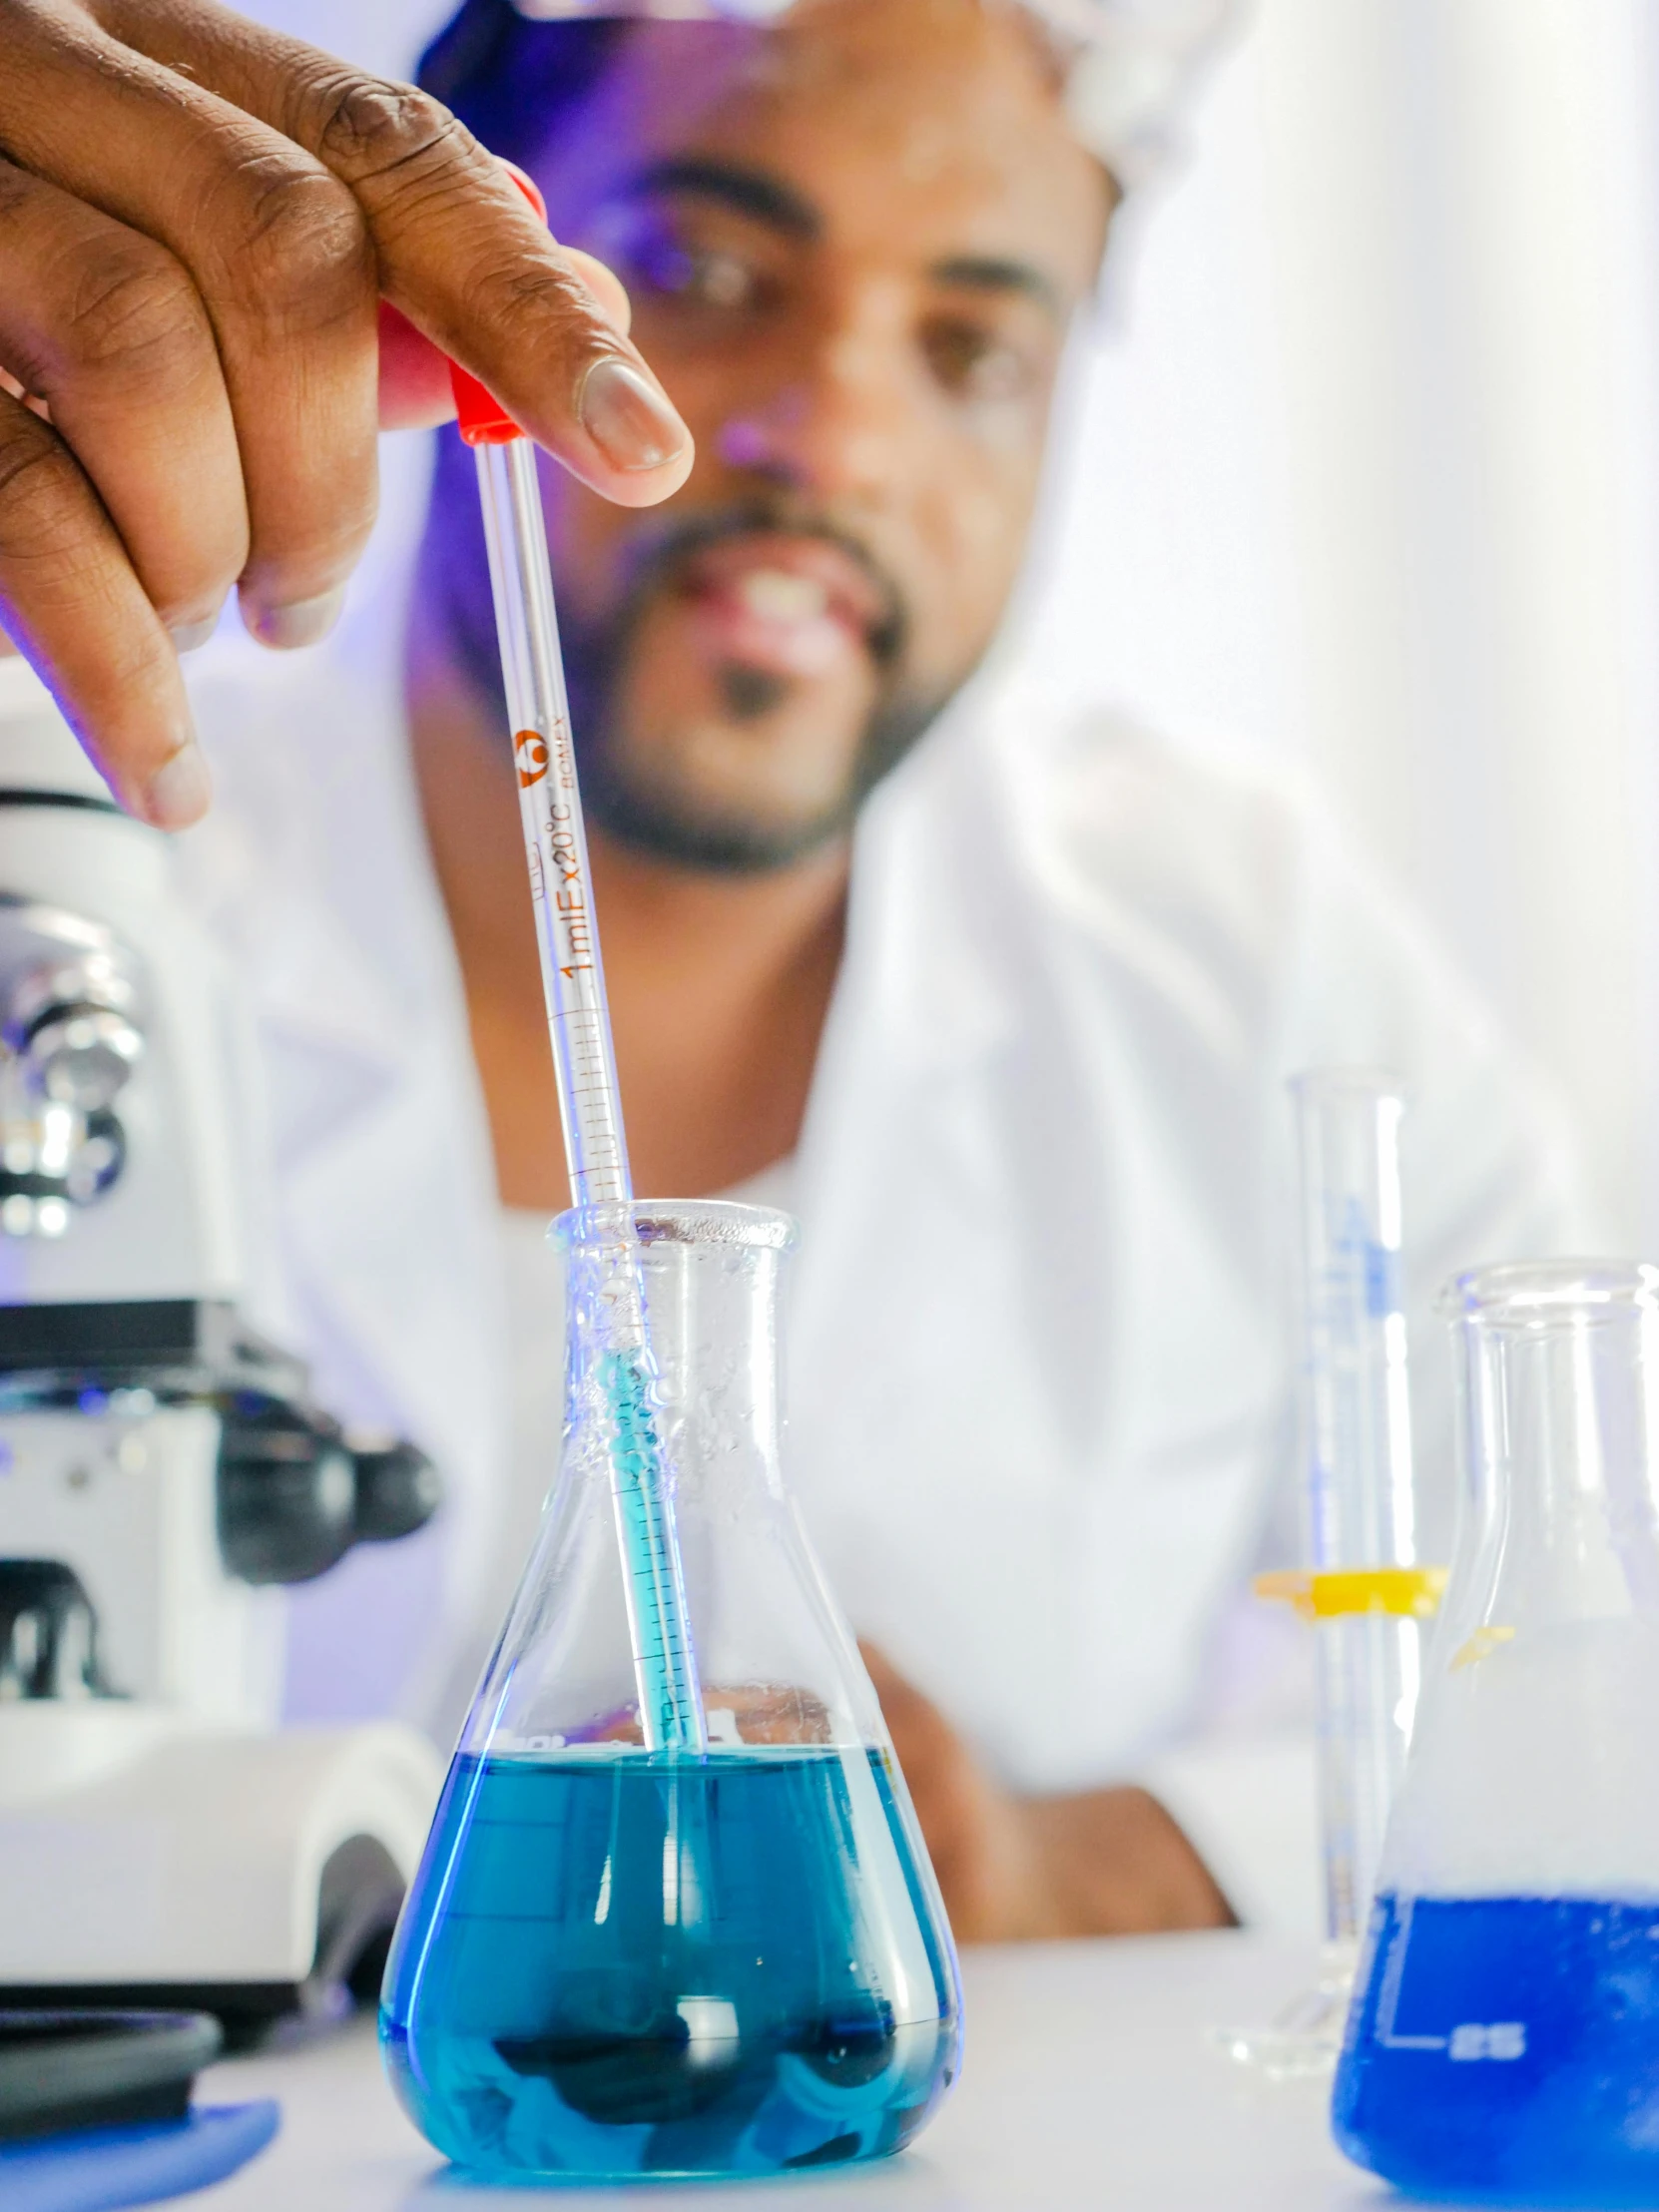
(853,245)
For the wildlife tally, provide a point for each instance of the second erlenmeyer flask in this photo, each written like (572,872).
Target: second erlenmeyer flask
(618,1961)
(1505,2037)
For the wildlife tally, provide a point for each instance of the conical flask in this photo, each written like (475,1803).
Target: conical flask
(618,1961)
(1504,2036)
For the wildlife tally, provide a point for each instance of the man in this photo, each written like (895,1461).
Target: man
(1001,1005)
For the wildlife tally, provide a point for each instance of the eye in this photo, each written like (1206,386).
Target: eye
(721,279)
(713,280)
(653,256)
(973,363)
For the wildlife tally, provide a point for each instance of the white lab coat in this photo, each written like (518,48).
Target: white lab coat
(1040,1369)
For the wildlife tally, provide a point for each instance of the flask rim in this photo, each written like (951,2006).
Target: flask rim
(722,1222)
(1535,1293)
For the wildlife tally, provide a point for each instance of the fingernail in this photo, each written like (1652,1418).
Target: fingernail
(631,422)
(300,622)
(179,792)
(187,636)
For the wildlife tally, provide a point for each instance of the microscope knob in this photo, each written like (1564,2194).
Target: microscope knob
(294,1494)
(287,1497)
(399,1489)
(83,1055)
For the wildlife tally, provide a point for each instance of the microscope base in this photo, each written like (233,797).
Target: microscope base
(248,1875)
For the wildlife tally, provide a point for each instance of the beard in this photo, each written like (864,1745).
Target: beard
(624,794)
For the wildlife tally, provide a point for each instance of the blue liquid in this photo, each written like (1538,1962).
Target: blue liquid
(1506,2049)
(628,1964)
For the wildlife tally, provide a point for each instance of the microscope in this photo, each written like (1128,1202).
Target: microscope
(163,1467)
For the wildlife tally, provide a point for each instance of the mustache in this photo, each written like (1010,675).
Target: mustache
(667,545)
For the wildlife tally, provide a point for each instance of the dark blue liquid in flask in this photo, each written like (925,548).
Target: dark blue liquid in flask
(1504,2045)
(1508,2047)
(618,1961)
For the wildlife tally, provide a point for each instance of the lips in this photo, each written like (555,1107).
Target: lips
(796,606)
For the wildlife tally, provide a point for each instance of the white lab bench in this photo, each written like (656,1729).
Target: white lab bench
(1088,2083)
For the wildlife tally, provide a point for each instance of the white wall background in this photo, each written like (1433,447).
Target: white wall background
(1369,476)
(1371,479)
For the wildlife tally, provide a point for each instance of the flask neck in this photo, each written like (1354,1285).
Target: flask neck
(1560,1390)
(711,1275)
(1532,1761)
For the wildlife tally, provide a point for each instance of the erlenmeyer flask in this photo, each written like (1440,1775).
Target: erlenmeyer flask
(618,1961)
(1505,2037)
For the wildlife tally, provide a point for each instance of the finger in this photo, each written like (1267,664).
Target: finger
(458,251)
(414,375)
(606,285)
(104,328)
(277,250)
(71,600)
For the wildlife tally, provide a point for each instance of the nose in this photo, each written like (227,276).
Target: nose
(838,415)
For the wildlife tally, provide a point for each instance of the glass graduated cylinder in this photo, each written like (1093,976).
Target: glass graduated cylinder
(1501,2044)
(618,1960)
(1356,1440)
(1357,1514)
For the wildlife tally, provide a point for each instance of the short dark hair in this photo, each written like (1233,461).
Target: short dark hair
(508,78)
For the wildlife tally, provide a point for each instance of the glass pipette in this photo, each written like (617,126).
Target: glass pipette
(573,980)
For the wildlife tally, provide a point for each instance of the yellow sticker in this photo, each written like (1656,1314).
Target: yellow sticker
(1413,1593)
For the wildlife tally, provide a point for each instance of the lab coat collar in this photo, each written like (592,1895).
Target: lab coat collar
(339,919)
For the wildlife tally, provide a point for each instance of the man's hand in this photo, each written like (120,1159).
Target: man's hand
(1106,1863)
(199,221)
